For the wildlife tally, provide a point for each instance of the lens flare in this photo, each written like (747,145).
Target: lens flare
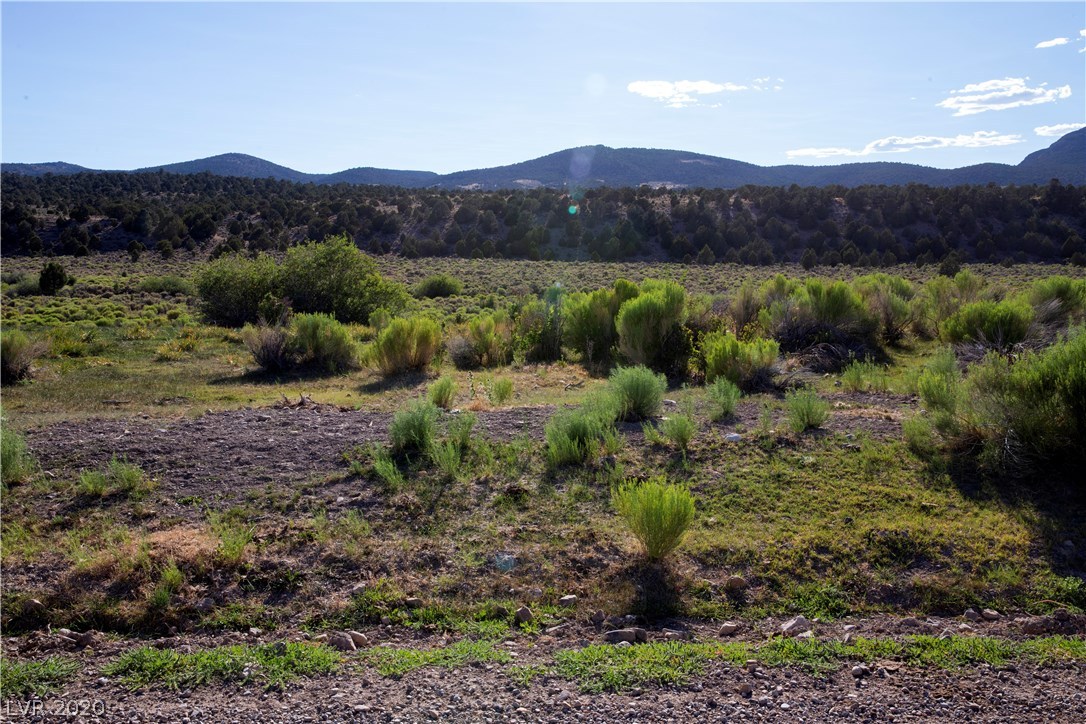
(573,209)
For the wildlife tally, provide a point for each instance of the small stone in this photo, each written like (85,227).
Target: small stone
(623,644)
(360,639)
(570,600)
(597,618)
(964,627)
(672,636)
(733,437)
(751,665)
(640,635)
(990,614)
(33,605)
(85,639)
(523,615)
(205,604)
(563,696)
(745,690)
(619,635)
(858,672)
(910,621)
(735,584)
(501,611)
(341,642)
(254,631)
(1061,614)
(849,627)
(971,614)
(413,602)
(1037,625)
(536,593)
(729,628)
(321,638)
(806,635)
(358,589)
(796,626)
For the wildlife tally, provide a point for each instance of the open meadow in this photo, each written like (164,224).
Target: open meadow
(860,482)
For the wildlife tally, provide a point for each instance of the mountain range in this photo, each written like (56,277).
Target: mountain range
(590,166)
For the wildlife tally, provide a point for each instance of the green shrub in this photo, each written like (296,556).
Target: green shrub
(231,288)
(657,513)
(887,300)
(995,324)
(17,355)
(679,429)
(1058,298)
(93,483)
(445,455)
(486,342)
(861,376)
(649,325)
(724,396)
(460,427)
(413,428)
(168,284)
(500,391)
(638,392)
(406,344)
(334,277)
(748,365)
(387,470)
(805,410)
(940,389)
(438,285)
(16,463)
(574,436)
(537,334)
(443,392)
(589,321)
(319,340)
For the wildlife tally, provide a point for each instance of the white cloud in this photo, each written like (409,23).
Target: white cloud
(904,144)
(1059,129)
(681,93)
(1000,95)
(1052,43)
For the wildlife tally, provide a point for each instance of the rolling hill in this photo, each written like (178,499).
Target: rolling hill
(591,166)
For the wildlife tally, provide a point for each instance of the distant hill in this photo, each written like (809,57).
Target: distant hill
(591,166)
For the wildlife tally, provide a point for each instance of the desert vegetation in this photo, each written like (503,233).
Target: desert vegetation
(429,446)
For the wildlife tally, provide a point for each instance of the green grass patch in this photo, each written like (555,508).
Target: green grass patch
(22,679)
(270,665)
(397,662)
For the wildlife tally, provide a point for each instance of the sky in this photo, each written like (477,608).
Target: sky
(448,87)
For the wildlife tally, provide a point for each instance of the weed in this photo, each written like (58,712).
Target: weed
(405,345)
(234,536)
(638,392)
(321,341)
(679,429)
(446,457)
(17,354)
(443,392)
(387,470)
(749,365)
(599,668)
(397,662)
(413,428)
(862,376)
(460,428)
(724,396)
(500,391)
(16,463)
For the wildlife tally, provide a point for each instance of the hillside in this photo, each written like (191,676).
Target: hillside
(592,166)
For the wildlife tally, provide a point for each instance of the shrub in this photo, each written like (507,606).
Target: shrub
(859,376)
(749,365)
(413,428)
(805,410)
(939,386)
(574,436)
(887,300)
(52,278)
(17,355)
(460,428)
(638,392)
(589,321)
(500,391)
(442,392)
(321,341)
(1058,298)
(334,277)
(658,514)
(16,463)
(269,347)
(649,325)
(438,285)
(680,430)
(445,455)
(537,333)
(488,342)
(724,395)
(385,468)
(231,288)
(406,344)
(169,284)
(996,324)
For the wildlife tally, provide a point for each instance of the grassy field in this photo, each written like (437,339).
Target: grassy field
(840,520)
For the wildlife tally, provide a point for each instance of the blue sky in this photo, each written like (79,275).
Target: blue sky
(446,87)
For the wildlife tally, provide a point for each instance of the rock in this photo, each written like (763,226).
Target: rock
(729,628)
(321,638)
(557,629)
(849,627)
(796,626)
(990,614)
(570,600)
(858,672)
(84,639)
(254,631)
(623,644)
(1061,614)
(501,611)
(360,639)
(735,584)
(911,622)
(619,635)
(536,593)
(1037,625)
(597,618)
(33,605)
(751,665)
(358,589)
(672,636)
(806,635)
(672,403)
(341,642)
(563,696)
(733,437)
(964,627)
(205,604)
(523,615)
(971,614)
(413,602)
(640,635)
(745,690)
